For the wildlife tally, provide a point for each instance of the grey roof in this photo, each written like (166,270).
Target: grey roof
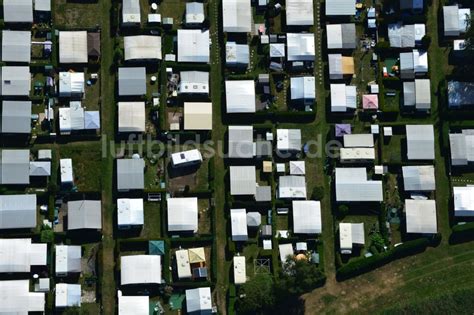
(292,187)
(406,61)
(91,120)
(16,117)
(409,94)
(237,54)
(132,81)
(15,81)
(40,168)
(352,185)
(451,20)
(419,178)
(43,5)
(462,147)
(263,194)
(349,39)
(254,219)
(194,12)
(340,7)
(15,167)
(17,211)
(18,11)
(130,174)
(263,148)
(401,35)
(423,94)
(420,142)
(241,142)
(411,4)
(303,88)
(243,180)
(460,93)
(16,46)
(84,214)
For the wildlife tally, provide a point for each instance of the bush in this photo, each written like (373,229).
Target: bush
(342,211)
(318,193)
(363,265)
(426,41)
(462,233)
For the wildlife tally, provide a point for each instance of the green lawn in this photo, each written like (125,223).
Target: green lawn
(72,14)
(152,215)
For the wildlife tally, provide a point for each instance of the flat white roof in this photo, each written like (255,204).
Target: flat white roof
(133,305)
(16,46)
(357,154)
(293,187)
(420,142)
(142,47)
(419,178)
(285,251)
(71,83)
(16,298)
(16,81)
(18,11)
(140,269)
(359,140)
(67,295)
(193,46)
(130,211)
(299,12)
(352,186)
(303,88)
(131,117)
(340,7)
(19,254)
(73,47)
(349,234)
(300,46)
(131,11)
(243,180)
(68,259)
(289,140)
(421,216)
(343,97)
(14,167)
(65,166)
(238,219)
(194,82)
(240,96)
(240,274)
(307,217)
(199,301)
(182,214)
(463,201)
(17,211)
(185,157)
(237,16)
(182,262)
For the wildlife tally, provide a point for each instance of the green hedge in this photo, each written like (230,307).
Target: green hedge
(362,265)
(462,233)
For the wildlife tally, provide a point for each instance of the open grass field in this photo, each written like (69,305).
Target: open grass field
(77,14)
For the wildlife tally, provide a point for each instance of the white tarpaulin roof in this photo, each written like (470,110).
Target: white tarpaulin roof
(84,214)
(19,254)
(421,216)
(71,118)
(362,140)
(240,273)
(16,81)
(243,180)
(73,47)
(351,233)
(142,47)
(403,36)
(463,201)
(16,46)
(237,16)
(300,47)
(68,259)
(299,12)
(66,171)
(307,217)
(14,167)
(182,214)
(422,94)
(419,178)
(16,298)
(352,186)
(239,54)
(240,96)
(238,219)
(343,97)
(455,20)
(341,36)
(130,211)
(71,83)
(197,116)
(194,13)
(241,143)
(18,11)
(199,301)
(68,295)
(186,157)
(16,117)
(194,82)
(131,11)
(17,211)
(131,116)
(420,142)
(193,46)
(292,187)
(133,305)
(140,269)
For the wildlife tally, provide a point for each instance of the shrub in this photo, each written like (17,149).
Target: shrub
(318,193)
(342,211)
(426,41)
(462,233)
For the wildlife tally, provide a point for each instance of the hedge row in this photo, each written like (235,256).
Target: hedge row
(462,233)
(362,265)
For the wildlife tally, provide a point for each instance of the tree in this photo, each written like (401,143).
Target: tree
(256,296)
(297,278)
(118,55)
(318,193)
(426,41)
(342,211)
